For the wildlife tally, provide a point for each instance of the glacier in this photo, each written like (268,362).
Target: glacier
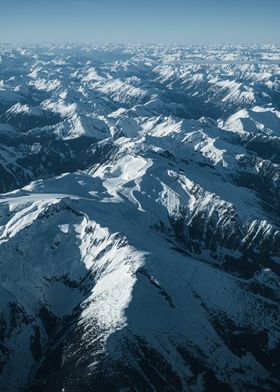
(139,218)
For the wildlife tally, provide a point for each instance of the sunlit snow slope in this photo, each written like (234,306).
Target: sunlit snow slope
(139,219)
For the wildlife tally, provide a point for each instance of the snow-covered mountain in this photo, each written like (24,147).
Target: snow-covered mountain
(139,218)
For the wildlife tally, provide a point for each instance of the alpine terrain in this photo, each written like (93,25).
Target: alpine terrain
(139,218)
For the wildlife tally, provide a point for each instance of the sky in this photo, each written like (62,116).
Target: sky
(140,21)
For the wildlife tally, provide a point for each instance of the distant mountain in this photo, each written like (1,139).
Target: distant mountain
(139,218)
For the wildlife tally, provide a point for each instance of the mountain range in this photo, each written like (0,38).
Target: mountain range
(139,218)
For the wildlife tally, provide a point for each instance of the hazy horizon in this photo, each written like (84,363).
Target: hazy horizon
(189,22)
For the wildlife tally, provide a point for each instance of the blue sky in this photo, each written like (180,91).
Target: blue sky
(123,21)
